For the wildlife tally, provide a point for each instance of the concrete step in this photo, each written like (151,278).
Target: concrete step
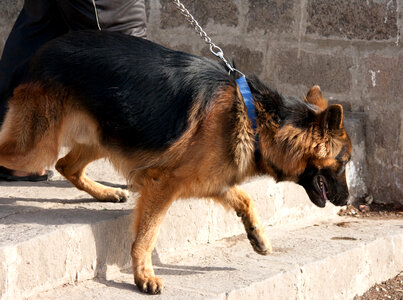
(52,234)
(329,259)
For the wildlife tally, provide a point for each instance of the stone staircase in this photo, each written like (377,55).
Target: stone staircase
(56,242)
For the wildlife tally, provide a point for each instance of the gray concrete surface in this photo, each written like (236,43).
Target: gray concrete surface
(335,258)
(52,233)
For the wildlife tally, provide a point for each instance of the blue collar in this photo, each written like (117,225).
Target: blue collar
(250,104)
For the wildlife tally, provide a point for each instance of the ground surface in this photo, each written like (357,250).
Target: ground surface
(373,210)
(391,289)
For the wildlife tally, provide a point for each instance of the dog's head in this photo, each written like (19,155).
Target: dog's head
(304,142)
(324,178)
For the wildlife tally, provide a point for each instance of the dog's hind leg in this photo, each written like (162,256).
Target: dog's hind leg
(153,204)
(73,166)
(244,207)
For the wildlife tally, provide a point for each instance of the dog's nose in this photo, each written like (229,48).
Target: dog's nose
(342,199)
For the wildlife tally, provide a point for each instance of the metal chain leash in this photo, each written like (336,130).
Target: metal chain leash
(217,51)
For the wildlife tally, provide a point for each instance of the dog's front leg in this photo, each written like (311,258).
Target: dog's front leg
(153,204)
(244,207)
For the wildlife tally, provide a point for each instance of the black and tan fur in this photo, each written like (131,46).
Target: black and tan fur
(175,125)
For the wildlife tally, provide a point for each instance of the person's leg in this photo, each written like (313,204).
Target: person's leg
(38,22)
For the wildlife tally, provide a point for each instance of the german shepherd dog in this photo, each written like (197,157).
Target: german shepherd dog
(175,125)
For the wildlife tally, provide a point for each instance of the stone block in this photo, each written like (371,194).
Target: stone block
(382,98)
(346,104)
(354,123)
(383,76)
(330,72)
(357,19)
(9,10)
(271,16)
(384,150)
(220,12)
(246,59)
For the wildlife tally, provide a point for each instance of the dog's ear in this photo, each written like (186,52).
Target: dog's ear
(315,97)
(332,117)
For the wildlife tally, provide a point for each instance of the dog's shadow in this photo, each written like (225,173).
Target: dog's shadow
(175,270)
(162,269)
(7,201)
(58,209)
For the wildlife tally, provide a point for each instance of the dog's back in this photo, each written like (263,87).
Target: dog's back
(139,92)
(107,95)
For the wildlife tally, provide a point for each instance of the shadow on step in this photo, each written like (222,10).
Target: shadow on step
(59,211)
(54,183)
(119,285)
(167,269)
(172,269)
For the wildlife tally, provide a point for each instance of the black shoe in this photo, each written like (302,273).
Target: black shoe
(7,175)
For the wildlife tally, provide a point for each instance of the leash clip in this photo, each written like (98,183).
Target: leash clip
(220,53)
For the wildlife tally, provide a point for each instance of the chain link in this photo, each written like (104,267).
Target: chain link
(217,51)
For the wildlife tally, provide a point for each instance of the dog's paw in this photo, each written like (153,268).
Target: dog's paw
(259,241)
(114,195)
(149,284)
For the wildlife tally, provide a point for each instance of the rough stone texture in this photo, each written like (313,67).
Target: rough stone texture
(9,11)
(220,12)
(357,19)
(271,16)
(384,150)
(246,59)
(317,262)
(330,72)
(383,76)
(383,98)
(354,123)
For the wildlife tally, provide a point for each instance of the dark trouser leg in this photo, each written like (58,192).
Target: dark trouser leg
(37,23)
(42,20)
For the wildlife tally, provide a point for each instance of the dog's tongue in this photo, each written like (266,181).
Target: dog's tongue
(324,193)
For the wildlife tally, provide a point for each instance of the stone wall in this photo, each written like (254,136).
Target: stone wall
(351,48)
